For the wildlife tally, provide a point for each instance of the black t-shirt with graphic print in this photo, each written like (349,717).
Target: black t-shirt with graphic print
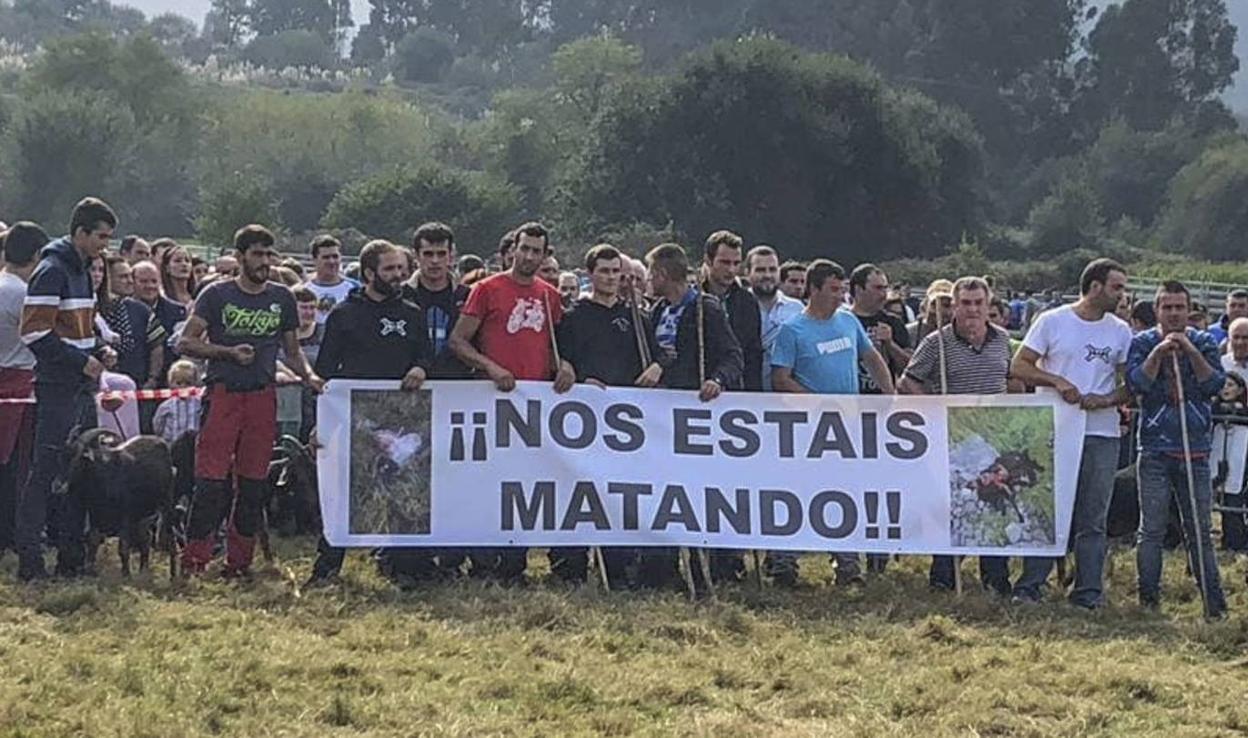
(235,317)
(901,336)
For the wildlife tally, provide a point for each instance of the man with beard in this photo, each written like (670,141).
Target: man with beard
(1079,350)
(600,337)
(774,306)
(977,362)
(237,328)
(375,334)
(505,331)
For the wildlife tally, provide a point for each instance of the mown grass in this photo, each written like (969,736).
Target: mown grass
(147,658)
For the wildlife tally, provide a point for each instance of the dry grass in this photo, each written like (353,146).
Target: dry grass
(106,658)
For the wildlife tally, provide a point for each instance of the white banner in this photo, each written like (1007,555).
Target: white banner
(459,464)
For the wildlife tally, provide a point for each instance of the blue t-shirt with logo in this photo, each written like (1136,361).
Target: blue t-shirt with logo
(823,354)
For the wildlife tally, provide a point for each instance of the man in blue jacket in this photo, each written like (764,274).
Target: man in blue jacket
(1163,453)
(58,325)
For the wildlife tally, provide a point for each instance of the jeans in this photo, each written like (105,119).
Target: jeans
(1095,487)
(60,410)
(1160,476)
(994,573)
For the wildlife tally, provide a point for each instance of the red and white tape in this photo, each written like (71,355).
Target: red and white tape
(143,394)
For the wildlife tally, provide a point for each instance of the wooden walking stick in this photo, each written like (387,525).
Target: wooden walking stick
(595,551)
(944,390)
(703,558)
(1201,578)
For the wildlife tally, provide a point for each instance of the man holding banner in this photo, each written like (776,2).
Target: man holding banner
(1079,350)
(818,352)
(506,331)
(374,334)
(974,360)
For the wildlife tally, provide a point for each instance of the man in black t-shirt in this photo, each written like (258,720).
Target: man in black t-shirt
(376,333)
(868,288)
(237,327)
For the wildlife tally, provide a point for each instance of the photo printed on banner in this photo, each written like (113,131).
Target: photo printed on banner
(1001,476)
(390,462)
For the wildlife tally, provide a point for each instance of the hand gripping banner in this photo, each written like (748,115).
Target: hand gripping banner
(460,464)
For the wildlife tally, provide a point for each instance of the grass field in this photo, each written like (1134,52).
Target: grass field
(106,658)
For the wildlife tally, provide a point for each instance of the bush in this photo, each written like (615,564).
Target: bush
(1205,215)
(424,55)
(392,204)
(300,49)
(1070,217)
(231,203)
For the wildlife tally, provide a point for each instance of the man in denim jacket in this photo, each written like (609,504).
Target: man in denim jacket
(1162,465)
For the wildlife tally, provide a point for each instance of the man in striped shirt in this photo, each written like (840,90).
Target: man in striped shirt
(976,358)
(58,325)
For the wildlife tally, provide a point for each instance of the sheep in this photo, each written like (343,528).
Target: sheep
(124,487)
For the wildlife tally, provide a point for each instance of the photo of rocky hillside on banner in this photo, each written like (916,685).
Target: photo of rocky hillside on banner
(390,462)
(1001,476)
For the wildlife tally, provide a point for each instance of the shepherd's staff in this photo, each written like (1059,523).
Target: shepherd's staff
(1202,577)
(703,558)
(595,551)
(944,390)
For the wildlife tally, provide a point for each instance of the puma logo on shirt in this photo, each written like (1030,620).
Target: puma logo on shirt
(834,346)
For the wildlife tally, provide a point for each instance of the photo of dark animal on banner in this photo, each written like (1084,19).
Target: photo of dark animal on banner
(390,462)
(460,464)
(1001,476)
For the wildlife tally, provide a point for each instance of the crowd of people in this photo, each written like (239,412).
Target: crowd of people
(84,326)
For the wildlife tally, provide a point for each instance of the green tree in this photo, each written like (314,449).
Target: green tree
(1205,215)
(231,202)
(809,152)
(391,204)
(588,70)
(424,55)
(1069,218)
(295,48)
(61,146)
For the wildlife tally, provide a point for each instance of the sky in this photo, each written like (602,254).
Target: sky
(1237,96)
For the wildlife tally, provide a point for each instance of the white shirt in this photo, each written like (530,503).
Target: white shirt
(327,296)
(1235,442)
(783,308)
(13,353)
(1085,353)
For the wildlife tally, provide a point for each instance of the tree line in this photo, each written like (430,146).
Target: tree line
(875,128)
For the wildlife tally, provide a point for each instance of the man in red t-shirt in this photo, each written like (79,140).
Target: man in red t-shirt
(506,331)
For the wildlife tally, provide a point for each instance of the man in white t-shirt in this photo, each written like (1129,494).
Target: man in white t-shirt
(1080,350)
(328,283)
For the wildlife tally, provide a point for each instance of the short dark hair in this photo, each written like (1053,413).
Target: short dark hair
(250,235)
(506,243)
(721,238)
(470,262)
(858,278)
(303,293)
(22,242)
(1142,312)
(89,213)
(601,252)
(757,251)
(1238,294)
(999,304)
(820,271)
(113,260)
(1196,307)
(534,229)
(1098,270)
(324,241)
(1173,287)
(370,255)
(791,266)
(670,260)
(432,233)
(127,244)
